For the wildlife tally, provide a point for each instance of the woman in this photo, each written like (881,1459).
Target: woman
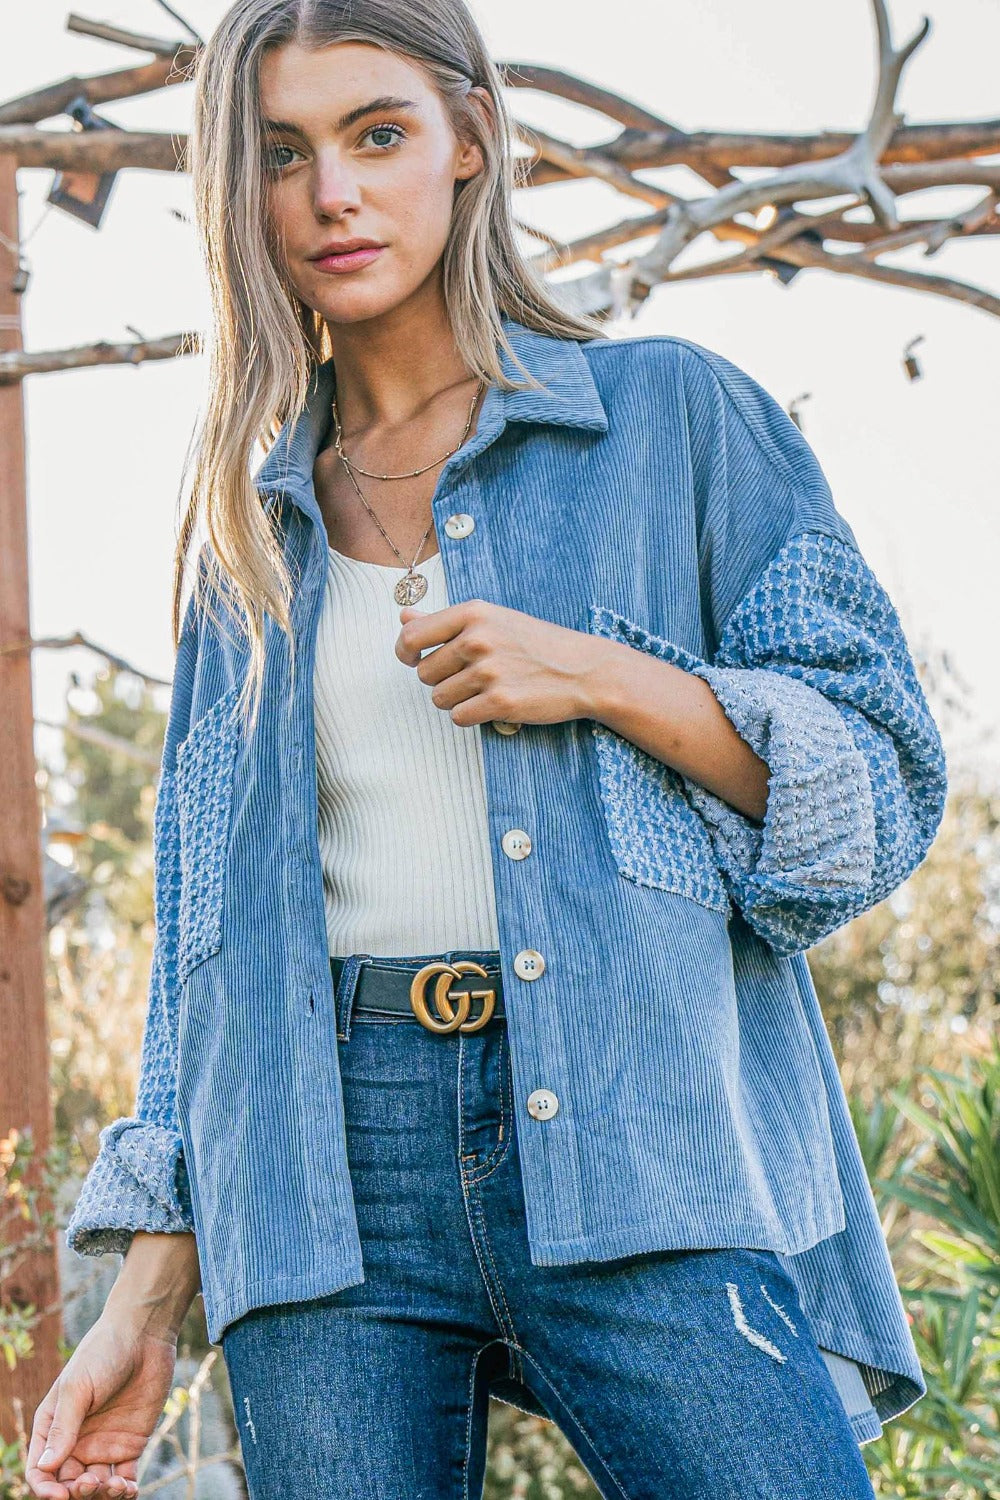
(482,1052)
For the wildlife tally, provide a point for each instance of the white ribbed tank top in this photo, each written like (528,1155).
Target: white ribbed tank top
(403,826)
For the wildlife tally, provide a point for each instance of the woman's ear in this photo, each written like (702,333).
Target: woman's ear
(470,160)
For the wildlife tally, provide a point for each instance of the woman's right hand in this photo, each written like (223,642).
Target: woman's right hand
(102,1409)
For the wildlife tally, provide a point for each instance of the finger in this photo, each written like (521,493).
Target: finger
(40,1427)
(72,1402)
(407,648)
(41,1483)
(434,666)
(87,1484)
(119,1485)
(97,1482)
(427,628)
(477,709)
(470,705)
(460,688)
(114,1487)
(44,1484)
(42,1478)
(70,1472)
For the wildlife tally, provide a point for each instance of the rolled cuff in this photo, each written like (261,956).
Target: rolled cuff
(818,834)
(138,1181)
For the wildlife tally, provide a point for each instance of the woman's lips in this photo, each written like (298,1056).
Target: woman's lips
(351,261)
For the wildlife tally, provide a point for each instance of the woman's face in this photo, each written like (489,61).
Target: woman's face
(359,147)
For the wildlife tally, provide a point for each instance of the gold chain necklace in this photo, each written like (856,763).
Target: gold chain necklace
(412,586)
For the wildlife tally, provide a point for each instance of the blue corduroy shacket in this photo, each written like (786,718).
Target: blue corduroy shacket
(653,493)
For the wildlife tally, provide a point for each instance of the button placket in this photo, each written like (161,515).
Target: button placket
(542,1104)
(459,525)
(529,964)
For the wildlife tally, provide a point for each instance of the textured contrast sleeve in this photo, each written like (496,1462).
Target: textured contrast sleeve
(138,1179)
(814,672)
(810,664)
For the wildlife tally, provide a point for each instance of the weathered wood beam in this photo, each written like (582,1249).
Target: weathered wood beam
(18,363)
(94,150)
(101,88)
(103,31)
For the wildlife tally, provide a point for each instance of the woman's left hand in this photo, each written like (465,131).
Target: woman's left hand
(491,662)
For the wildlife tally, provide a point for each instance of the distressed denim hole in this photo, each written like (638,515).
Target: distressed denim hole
(779,1310)
(752,1335)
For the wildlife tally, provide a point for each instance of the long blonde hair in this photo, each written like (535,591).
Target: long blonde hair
(264,342)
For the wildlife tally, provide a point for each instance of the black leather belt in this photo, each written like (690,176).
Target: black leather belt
(444,996)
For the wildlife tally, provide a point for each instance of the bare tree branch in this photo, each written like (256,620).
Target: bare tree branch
(103,88)
(90,734)
(580,161)
(935,233)
(77,638)
(578,91)
(18,363)
(107,33)
(854,171)
(176,16)
(705,151)
(801,254)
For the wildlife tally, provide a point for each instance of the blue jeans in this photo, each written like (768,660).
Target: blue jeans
(678,1373)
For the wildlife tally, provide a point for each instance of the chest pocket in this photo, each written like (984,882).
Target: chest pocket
(204,782)
(656,836)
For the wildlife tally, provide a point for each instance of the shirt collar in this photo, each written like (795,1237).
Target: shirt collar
(571,400)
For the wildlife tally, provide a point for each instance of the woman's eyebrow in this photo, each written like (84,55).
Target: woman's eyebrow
(374,106)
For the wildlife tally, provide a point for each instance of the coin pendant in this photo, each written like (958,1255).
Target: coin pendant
(410,588)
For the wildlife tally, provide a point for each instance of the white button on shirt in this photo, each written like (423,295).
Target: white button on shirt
(403,825)
(529,964)
(542,1104)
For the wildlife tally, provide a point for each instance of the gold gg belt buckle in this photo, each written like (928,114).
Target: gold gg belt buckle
(453,1007)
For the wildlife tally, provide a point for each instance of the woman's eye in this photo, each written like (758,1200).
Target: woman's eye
(270,163)
(391,130)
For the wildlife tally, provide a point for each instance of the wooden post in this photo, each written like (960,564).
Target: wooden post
(24,1050)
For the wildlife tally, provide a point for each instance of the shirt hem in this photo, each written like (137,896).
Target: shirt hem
(654,1236)
(866,1426)
(273,1290)
(907,1384)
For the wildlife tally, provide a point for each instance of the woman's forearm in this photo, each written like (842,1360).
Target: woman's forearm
(675,717)
(158,1281)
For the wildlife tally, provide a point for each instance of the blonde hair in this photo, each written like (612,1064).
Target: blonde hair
(264,342)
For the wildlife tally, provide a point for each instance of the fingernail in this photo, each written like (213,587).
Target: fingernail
(45,1458)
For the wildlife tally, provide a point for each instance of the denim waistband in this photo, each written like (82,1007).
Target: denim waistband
(353,963)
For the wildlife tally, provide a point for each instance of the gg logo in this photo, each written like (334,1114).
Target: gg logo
(453,1015)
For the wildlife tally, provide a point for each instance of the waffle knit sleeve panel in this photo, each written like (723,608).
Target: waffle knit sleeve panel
(138,1179)
(811,666)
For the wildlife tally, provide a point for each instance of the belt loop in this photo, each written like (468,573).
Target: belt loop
(347,985)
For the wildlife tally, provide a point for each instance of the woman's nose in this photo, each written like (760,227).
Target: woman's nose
(335,187)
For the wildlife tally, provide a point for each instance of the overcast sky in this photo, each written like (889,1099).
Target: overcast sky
(912,465)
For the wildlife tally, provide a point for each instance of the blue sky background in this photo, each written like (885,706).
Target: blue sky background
(912,465)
